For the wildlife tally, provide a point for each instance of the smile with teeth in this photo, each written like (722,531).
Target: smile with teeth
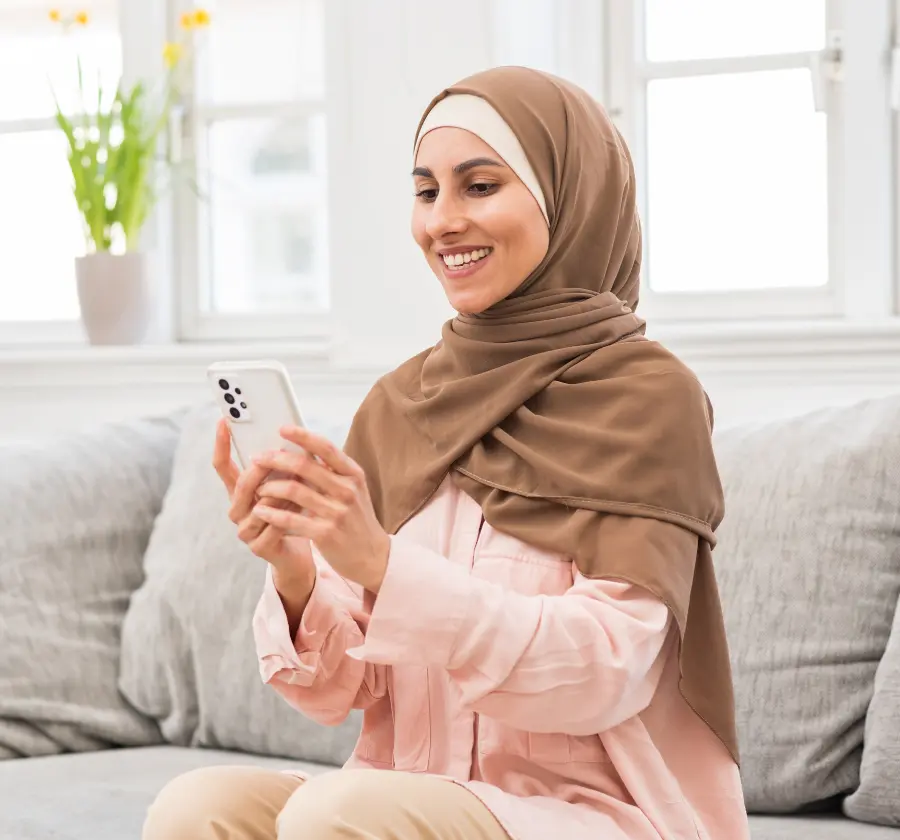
(455,262)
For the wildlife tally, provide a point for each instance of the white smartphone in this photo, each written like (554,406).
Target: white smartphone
(257,399)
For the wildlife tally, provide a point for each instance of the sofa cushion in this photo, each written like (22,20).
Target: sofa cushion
(188,656)
(878,797)
(809,569)
(99,796)
(105,796)
(77,515)
(816,828)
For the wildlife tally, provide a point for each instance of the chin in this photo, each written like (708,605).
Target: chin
(468,305)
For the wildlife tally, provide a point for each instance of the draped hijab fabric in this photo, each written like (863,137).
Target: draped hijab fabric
(572,430)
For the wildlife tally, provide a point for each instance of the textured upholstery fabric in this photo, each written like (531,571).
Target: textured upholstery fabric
(76,517)
(98,796)
(105,795)
(188,656)
(809,569)
(878,797)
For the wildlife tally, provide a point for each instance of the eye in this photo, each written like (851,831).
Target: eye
(481,188)
(428,195)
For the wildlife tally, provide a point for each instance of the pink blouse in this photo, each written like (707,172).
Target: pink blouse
(551,696)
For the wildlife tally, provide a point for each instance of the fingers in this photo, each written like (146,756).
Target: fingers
(267,543)
(301,495)
(311,472)
(300,524)
(226,469)
(244,493)
(323,448)
(250,528)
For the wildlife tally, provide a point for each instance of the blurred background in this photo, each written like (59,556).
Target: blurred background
(278,193)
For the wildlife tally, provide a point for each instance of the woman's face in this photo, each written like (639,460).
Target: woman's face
(478,225)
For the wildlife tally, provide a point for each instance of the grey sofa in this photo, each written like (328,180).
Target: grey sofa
(126,653)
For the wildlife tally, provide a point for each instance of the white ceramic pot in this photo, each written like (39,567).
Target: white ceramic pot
(114,295)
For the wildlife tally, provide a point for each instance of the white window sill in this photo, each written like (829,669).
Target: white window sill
(834,347)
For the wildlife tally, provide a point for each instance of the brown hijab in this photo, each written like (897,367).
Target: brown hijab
(551,409)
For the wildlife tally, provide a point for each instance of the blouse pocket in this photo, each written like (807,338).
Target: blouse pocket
(559,748)
(411,706)
(376,741)
(544,748)
(521,568)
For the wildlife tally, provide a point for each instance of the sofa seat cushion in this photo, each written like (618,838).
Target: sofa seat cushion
(101,795)
(104,796)
(817,828)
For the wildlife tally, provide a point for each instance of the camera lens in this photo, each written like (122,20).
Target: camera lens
(237,391)
(229,399)
(223,384)
(234,413)
(243,405)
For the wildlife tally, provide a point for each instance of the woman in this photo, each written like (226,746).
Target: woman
(511,571)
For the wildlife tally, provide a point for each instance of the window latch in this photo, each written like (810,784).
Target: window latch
(826,67)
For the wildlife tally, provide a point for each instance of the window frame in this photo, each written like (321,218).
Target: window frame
(36,332)
(852,157)
(142,29)
(312,325)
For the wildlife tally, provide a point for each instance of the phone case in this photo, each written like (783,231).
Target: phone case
(257,399)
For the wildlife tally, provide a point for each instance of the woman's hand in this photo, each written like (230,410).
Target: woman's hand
(290,556)
(337,513)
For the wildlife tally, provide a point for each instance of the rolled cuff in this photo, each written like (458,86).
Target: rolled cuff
(297,662)
(419,609)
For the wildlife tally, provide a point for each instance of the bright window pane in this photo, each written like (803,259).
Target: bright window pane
(37,54)
(695,29)
(265,221)
(264,50)
(40,230)
(737,192)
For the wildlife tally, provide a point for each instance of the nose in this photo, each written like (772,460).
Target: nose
(447,216)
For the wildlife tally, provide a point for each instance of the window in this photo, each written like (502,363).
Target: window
(761,132)
(40,229)
(737,114)
(253,247)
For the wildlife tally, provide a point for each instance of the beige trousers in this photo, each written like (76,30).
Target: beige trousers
(250,803)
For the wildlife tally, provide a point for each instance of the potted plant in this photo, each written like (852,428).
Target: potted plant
(114,157)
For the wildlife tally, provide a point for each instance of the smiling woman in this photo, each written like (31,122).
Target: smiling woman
(508,567)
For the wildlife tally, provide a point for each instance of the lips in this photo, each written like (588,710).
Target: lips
(455,261)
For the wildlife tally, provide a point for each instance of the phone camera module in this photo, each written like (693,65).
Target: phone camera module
(237,391)
(234,413)
(229,399)
(223,384)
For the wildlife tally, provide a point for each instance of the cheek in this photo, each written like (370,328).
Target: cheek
(511,222)
(417,228)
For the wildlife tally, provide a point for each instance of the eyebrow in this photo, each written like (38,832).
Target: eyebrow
(460,168)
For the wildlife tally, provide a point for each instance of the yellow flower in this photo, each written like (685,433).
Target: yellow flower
(186,20)
(172,54)
(55,15)
(201,17)
(81,18)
